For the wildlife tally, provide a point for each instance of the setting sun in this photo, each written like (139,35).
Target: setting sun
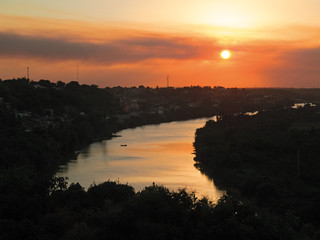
(225,54)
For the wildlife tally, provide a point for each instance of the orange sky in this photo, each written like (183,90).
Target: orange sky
(271,45)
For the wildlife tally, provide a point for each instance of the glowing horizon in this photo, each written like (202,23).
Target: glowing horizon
(120,46)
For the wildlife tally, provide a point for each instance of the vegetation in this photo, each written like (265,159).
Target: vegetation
(43,123)
(114,211)
(271,158)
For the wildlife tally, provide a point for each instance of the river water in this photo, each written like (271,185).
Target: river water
(162,154)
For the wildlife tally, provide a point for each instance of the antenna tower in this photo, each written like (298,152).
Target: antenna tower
(27,73)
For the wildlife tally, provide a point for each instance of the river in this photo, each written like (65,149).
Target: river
(161,153)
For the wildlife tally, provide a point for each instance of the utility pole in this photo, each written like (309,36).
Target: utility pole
(77,73)
(167,81)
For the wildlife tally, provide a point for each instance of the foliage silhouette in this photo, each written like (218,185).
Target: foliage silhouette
(257,155)
(42,124)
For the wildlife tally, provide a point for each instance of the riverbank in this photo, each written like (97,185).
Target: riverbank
(159,153)
(271,158)
(43,122)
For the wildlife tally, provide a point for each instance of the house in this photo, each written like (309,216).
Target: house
(160,110)
(23,114)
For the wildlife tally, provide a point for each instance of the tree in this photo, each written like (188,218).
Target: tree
(58,184)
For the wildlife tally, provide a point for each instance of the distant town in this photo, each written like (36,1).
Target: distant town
(254,147)
(43,104)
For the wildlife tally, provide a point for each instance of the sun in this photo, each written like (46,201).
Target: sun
(225,54)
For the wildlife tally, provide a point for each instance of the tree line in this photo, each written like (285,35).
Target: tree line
(271,159)
(64,117)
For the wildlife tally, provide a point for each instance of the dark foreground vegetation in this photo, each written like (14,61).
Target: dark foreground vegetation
(114,211)
(272,159)
(43,123)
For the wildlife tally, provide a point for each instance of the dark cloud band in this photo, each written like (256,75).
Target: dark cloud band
(121,51)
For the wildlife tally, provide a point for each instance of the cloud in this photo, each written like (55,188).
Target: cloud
(137,54)
(129,50)
(298,68)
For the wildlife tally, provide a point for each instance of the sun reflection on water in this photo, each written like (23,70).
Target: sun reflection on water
(154,153)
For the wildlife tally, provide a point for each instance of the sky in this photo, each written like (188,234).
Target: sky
(139,42)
